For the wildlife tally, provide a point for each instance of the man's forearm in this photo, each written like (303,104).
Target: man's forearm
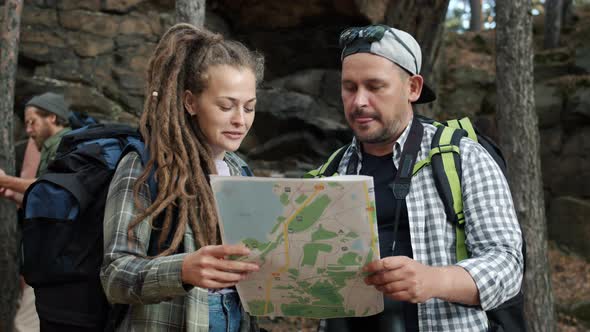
(456,285)
(30,161)
(13,183)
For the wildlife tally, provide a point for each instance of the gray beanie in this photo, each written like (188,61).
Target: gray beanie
(51,102)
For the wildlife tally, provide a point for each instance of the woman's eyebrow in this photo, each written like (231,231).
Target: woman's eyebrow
(235,99)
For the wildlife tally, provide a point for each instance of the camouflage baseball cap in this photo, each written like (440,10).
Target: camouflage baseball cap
(393,44)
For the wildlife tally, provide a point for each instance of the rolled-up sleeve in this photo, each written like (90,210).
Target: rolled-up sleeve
(127,275)
(493,235)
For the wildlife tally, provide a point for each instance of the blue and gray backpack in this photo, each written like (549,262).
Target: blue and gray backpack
(62,225)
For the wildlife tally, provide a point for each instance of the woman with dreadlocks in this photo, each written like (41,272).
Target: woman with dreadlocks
(163,255)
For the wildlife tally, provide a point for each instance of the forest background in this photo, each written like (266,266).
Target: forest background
(95,52)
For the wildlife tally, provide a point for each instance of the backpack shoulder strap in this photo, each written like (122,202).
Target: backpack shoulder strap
(446,167)
(465,124)
(138,146)
(486,142)
(246,171)
(330,167)
(445,160)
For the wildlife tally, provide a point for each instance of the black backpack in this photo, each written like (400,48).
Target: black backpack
(62,225)
(509,316)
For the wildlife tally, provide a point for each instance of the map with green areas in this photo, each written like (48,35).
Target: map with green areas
(311,238)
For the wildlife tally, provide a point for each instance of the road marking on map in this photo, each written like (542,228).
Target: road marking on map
(311,238)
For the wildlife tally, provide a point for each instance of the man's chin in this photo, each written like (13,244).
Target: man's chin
(38,144)
(374,138)
(374,141)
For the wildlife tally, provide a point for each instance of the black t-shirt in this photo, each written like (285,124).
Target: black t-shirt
(383,171)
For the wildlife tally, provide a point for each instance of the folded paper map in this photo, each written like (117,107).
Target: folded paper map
(311,238)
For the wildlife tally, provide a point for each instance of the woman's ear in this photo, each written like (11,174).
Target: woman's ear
(189,102)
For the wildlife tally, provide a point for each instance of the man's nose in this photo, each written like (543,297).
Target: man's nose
(360,98)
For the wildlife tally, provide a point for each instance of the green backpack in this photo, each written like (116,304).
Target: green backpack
(445,160)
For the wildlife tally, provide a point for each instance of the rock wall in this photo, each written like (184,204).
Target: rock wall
(96,52)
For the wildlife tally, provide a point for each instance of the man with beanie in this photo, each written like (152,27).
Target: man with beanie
(46,122)
(425,287)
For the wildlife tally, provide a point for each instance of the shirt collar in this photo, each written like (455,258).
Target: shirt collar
(55,138)
(234,163)
(397,147)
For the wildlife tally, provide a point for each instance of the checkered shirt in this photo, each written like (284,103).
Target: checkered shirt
(153,287)
(493,235)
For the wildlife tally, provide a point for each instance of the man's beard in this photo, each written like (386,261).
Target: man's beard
(39,142)
(381,136)
(43,135)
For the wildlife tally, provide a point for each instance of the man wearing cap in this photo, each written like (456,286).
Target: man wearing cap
(425,288)
(46,122)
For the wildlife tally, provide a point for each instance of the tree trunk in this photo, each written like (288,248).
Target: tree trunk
(475,22)
(567,13)
(8,227)
(424,20)
(191,11)
(519,140)
(553,12)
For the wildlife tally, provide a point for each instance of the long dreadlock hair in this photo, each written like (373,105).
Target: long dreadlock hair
(179,153)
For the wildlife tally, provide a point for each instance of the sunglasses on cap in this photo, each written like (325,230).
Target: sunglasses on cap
(370,34)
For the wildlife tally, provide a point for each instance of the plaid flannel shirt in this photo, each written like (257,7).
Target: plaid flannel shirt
(153,287)
(493,235)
